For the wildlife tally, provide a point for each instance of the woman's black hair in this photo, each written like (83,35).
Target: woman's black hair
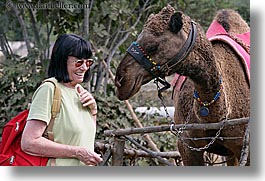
(68,45)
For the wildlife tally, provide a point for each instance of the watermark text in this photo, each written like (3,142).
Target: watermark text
(49,5)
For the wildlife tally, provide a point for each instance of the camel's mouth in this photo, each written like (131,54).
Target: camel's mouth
(127,87)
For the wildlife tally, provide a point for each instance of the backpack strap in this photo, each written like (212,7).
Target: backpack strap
(56,104)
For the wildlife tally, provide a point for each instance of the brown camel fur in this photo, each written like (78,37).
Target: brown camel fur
(162,37)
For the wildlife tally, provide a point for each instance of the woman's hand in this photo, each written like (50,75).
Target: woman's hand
(87,157)
(87,99)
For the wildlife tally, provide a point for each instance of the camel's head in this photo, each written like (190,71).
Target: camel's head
(162,37)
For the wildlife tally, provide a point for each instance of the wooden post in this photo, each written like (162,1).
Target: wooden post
(118,151)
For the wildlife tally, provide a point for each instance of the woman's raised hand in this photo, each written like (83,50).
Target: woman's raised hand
(87,99)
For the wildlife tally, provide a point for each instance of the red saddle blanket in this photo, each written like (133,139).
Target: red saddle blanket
(217,33)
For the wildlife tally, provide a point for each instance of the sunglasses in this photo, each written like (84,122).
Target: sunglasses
(79,62)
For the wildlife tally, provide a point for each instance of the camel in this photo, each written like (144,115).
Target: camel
(216,85)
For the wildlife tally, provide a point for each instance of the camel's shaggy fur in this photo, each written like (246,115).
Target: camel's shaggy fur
(157,23)
(233,24)
(162,37)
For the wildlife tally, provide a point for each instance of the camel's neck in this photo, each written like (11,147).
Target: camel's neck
(201,67)
(206,81)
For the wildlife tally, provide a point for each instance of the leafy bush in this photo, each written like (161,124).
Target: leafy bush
(19,79)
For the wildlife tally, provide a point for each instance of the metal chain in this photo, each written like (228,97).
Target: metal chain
(178,132)
(206,146)
(173,130)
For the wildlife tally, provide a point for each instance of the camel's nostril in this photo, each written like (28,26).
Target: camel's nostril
(118,81)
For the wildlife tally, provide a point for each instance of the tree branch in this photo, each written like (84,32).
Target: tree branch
(245,148)
(86,17)
(152,129)
(153,154)
(139,153)
(151,144)
(23,26)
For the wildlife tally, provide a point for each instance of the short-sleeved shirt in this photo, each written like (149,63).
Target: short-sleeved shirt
(74,124)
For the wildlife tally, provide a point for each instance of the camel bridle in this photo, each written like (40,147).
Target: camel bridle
(160,71)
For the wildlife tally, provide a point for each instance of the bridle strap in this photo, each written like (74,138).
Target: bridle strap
(184,51)
(138,55)
(159,72)
(164,83)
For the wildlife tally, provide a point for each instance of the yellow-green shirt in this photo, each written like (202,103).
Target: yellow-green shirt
(74,124)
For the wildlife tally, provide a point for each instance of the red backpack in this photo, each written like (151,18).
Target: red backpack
(10,146)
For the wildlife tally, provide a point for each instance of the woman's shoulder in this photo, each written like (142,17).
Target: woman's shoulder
(46,86)
(49,83)
(51,80)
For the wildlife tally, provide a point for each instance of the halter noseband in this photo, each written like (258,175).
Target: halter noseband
(160,71)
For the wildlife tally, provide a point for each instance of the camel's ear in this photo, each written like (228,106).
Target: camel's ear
(175,23)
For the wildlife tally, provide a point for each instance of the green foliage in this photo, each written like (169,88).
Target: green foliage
(19,79)
(113,114)
(203,11)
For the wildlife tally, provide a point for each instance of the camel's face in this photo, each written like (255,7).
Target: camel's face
(129,77)
(161,47)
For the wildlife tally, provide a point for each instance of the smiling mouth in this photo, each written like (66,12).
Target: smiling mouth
(80,74)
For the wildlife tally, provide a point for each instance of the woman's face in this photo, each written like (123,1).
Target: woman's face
(77,68)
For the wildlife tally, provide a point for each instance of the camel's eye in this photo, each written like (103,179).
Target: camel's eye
(151,49)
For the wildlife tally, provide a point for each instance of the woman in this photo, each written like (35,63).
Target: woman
(75,126)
